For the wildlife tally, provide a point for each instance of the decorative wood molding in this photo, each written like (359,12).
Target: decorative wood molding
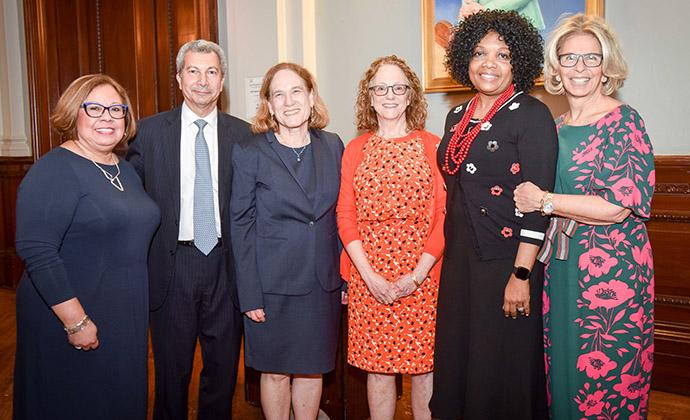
(673,218)
(672,188)
(672,300)
(672,160)
(672,331)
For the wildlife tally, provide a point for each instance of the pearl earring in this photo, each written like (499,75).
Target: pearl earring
(604,79)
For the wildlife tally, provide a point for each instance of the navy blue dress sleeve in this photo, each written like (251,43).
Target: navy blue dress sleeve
(46,203)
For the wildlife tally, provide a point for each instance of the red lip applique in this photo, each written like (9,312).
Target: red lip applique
(515,168)
(507,232)
(496,190)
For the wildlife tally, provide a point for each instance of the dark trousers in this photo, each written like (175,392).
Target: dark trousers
(198,306)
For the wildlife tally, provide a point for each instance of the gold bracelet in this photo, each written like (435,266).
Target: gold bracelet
(79,326)
(414,280)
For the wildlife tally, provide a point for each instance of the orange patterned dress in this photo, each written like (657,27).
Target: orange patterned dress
(392,198)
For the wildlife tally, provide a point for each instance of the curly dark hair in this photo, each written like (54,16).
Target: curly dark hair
(523,40)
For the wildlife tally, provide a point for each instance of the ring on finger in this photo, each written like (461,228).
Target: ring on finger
(520,309)
(77,347)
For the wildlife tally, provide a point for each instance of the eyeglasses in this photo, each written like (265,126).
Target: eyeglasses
(588,59)
(95,110)
(382,90)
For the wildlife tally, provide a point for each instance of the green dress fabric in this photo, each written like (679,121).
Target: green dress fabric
(599,299)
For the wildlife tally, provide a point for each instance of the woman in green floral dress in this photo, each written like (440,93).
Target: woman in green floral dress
(599,284)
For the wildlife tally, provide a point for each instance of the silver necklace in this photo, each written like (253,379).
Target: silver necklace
(114,179)
(300,153)
(295,149)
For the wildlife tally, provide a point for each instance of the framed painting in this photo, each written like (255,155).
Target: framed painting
(439,16)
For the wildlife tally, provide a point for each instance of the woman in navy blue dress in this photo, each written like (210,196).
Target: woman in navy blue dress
(84,225)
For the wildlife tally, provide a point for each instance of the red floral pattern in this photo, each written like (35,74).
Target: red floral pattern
(609,318)
(394,195)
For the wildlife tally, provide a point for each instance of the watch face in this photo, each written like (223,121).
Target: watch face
(548,207)
(521,273)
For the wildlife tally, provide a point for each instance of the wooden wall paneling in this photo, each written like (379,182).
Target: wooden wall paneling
(12,170)
(145,63)
(669,231)
(164,53)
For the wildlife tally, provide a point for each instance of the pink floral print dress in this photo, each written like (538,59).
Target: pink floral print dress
(599,284)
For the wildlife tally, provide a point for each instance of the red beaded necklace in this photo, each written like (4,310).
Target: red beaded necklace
(459,144)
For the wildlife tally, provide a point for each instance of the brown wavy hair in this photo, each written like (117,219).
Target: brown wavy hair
(416,112)
(64,118)
(264,121)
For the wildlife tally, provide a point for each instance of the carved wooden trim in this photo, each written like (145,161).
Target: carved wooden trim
(672,300)
(672,331)
(673,218)
(672,188)
(99,36)
(672,160)
(172,55)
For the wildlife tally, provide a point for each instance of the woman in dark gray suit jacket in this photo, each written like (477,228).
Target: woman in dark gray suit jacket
(284,191)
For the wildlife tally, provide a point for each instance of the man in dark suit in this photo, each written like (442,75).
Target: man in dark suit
(183,157)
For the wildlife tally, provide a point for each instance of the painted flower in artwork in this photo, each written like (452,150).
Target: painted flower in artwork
(630,386)
(608,295)
(597,262)
(593,404)
(595,364)
(626,192)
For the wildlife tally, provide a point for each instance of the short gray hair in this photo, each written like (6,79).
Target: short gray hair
(201,46)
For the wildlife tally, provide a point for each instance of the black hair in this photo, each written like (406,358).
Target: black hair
(522,38)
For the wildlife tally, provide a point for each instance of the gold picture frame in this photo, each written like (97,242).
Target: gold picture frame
(435,30)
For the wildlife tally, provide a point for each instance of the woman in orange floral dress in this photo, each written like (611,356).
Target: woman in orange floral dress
(390,217)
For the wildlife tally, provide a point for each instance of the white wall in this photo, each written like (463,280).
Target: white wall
(350,34)
(655,38)
(249,37)
(14,110)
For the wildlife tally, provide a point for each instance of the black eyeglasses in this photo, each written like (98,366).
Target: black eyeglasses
(95,110)
(588,59)
(382,90)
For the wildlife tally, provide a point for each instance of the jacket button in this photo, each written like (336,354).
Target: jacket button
(311,223)
(484,211)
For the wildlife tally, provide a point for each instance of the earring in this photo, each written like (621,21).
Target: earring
(558,79)
(604,79)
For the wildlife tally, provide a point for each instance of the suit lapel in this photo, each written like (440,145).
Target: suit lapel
(224,163)
(320,159)
(171,150)
(273,142)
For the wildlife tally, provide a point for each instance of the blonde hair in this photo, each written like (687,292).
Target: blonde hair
(264,121)
(64,118)
(416,112)
(613,65)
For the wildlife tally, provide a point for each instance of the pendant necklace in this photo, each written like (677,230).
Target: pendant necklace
(114,179)
(300,153)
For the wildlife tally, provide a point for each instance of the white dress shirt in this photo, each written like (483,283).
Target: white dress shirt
(188,170)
